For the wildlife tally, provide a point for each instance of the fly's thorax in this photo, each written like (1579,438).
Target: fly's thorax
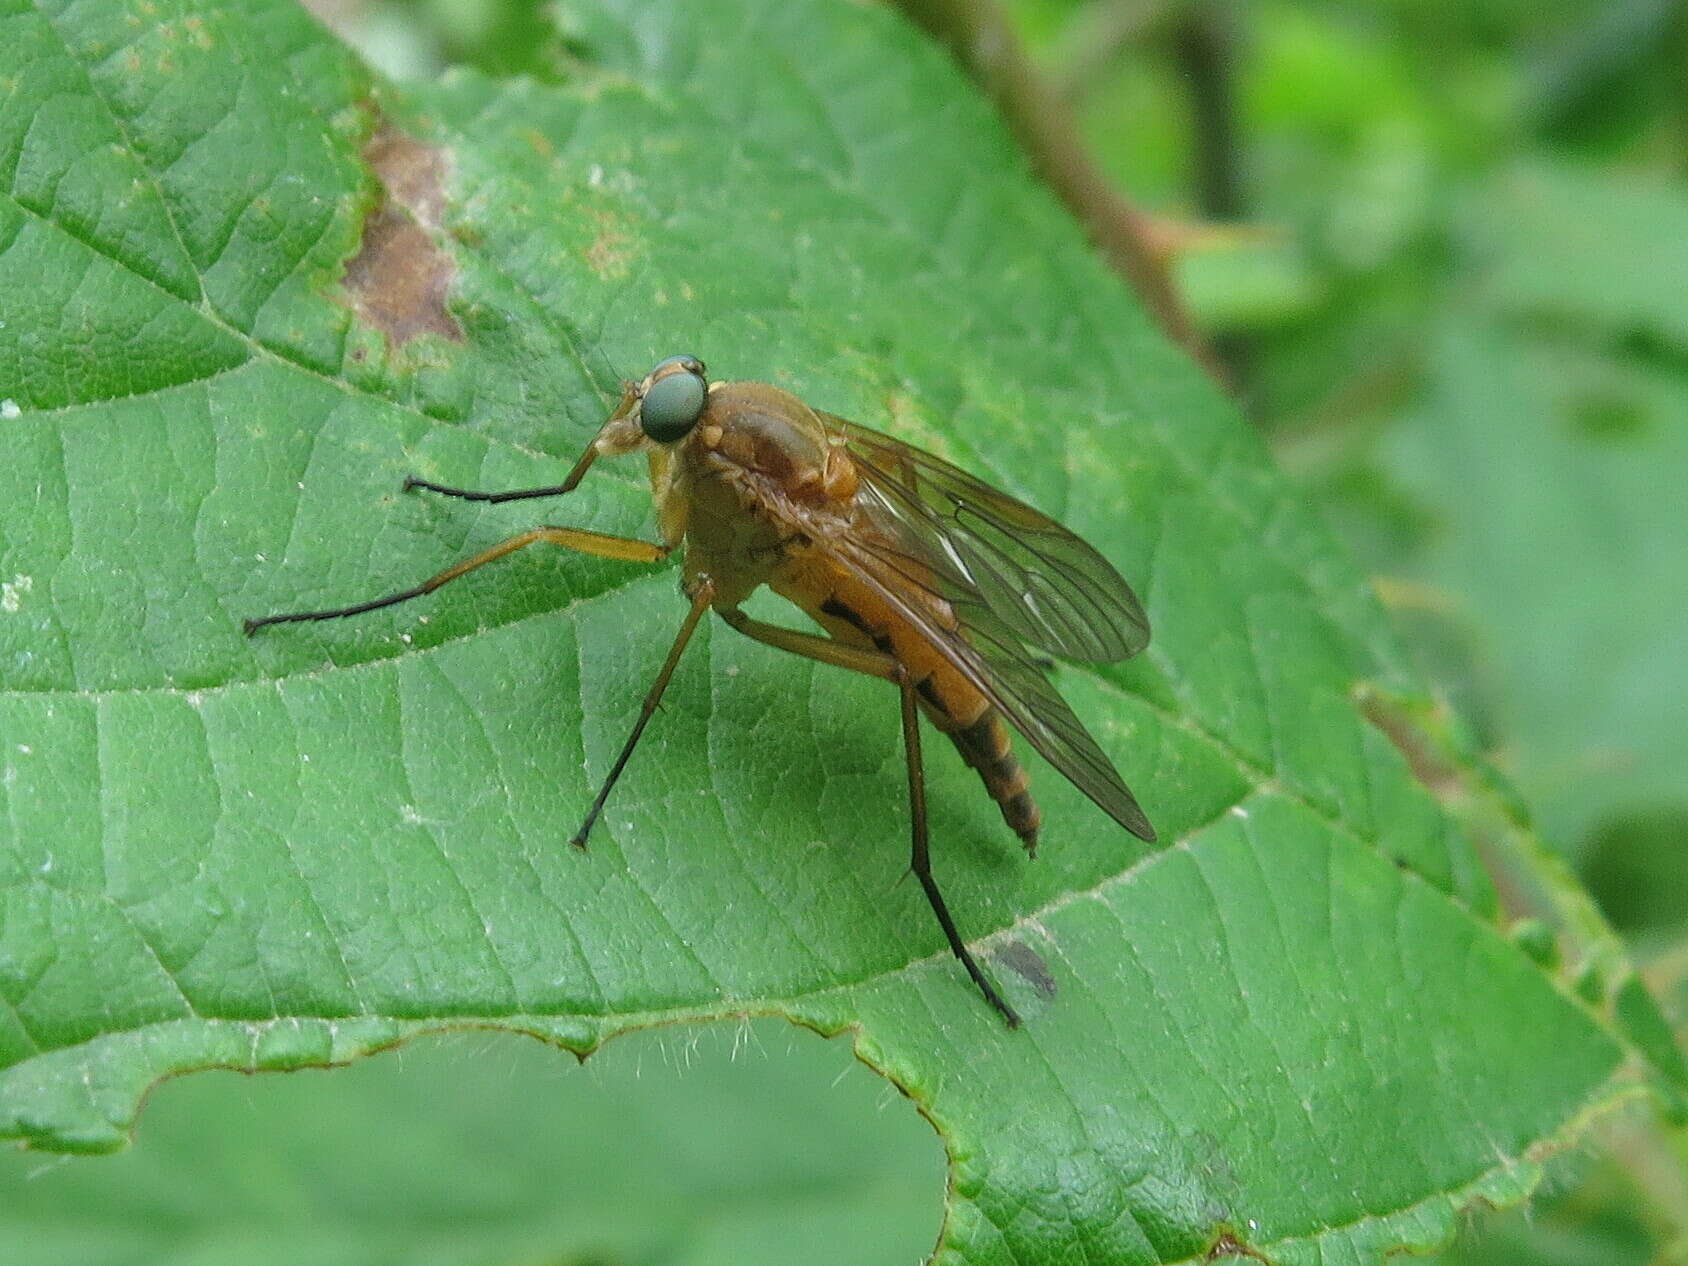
(733,534)
(765,432)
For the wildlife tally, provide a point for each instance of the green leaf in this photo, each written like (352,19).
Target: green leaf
(1300,1026)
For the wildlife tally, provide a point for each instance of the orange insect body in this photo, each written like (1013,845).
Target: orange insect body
(758,481)
(918,572)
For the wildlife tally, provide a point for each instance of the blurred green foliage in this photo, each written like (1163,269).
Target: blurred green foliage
(672,1146)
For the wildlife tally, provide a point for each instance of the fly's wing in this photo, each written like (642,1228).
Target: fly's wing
(932,539)
(1052,590)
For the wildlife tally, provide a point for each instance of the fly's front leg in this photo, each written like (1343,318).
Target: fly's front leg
(620,547)
(569,484)
(878,664)
(579,539)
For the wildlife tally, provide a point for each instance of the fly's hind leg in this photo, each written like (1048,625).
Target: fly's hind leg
(812,646)
(921,863)
(877,664)
(621,547)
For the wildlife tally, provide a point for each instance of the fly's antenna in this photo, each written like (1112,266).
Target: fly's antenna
(608,372)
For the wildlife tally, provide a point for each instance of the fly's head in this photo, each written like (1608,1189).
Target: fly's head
(757,428)
(659,411)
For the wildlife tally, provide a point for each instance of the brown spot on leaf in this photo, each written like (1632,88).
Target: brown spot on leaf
(610,254)
(1029,965)
(1468,794)
(399,279)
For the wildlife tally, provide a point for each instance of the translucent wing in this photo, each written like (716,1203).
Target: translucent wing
(1049,588)
(951,554)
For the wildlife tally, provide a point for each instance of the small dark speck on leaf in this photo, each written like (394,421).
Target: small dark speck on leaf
(400,277)
(1029,965)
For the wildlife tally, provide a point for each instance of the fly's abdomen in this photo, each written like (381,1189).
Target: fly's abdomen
(985,745)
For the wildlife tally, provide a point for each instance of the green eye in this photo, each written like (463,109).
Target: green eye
(672,406)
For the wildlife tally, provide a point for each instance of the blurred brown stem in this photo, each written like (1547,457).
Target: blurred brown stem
(979,36)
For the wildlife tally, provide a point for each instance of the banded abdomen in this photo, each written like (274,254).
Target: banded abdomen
(854,613)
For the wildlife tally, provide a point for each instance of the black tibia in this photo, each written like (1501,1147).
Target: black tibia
(581,466)
(520,494)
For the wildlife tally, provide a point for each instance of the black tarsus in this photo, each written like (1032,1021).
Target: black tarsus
(520,494)
(253,625)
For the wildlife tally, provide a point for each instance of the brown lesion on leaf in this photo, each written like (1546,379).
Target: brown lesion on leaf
(610,253)
(399,279)
(1550,915)
(1411,726)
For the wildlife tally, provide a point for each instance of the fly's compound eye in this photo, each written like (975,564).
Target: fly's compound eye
(672,406)
(691,364)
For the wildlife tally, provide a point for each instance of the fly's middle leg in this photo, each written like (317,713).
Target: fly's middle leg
(702,595)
